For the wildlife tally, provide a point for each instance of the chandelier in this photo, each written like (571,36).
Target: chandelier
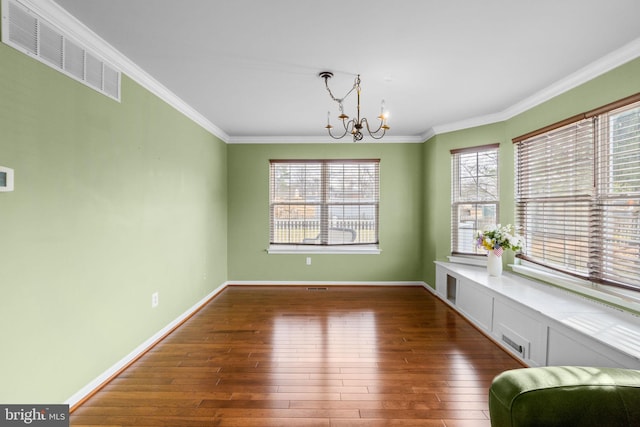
(357,124)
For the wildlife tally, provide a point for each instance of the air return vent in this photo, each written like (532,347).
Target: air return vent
(514,345)
(28,32)
(512,340)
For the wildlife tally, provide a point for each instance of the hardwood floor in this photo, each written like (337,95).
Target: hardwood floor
(292,356)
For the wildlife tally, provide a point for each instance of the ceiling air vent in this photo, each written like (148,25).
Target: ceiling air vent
(25,30)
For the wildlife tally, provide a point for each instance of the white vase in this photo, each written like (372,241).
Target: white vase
(494,264)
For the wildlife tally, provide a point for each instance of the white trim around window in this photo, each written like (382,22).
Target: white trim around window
(312,249)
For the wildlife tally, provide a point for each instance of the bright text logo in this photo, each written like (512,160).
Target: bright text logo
(34,415)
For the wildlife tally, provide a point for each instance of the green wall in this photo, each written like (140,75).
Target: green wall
(112,202)
(401,215)
(437,161)
(616,84)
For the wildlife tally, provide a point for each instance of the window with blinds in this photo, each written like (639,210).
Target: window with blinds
(323,202)
(578,195)
(474,195)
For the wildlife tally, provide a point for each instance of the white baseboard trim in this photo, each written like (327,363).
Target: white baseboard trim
(429,288)
(320,283)
(101,379)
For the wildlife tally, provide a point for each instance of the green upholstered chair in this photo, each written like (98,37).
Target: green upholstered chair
(565,396)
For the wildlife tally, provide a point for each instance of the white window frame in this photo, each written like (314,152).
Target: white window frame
(457,200)
(611,292)
(284,248)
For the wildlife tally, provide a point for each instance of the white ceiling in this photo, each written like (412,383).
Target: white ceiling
(250,67)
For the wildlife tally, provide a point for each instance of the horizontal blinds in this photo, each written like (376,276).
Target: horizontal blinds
(324,202)
(554,193)
(474,195)
(577,197)
(618,201)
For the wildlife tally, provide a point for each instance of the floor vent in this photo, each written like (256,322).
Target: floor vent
(27,31)
(514,345)
(317,289)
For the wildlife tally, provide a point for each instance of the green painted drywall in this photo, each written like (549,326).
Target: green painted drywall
(616,84)
(112,202)
(400,216)
(437,158)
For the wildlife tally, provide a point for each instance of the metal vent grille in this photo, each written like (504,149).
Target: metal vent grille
(25,30)
(514,345)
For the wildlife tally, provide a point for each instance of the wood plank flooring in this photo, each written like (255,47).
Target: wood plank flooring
(292,356)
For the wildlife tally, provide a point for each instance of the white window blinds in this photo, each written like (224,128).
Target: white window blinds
(578,196)
(555,189)
(474,195)
(617,226)
(324,202)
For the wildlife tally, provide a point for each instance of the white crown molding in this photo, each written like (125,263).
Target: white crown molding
(469,123)
(412,139)
(618,57)
(428,134)
(59,17)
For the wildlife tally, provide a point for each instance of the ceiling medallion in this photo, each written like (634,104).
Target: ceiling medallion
(357,124)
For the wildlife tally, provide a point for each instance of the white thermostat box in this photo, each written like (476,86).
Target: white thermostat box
(6,179)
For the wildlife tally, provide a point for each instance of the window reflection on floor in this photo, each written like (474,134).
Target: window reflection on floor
(325,349)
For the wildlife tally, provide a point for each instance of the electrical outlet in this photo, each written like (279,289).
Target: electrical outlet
(308,260)
(155,300)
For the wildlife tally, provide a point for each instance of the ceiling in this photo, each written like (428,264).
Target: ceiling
(250,67)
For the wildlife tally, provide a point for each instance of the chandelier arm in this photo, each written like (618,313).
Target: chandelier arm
(378,137)
(346,129)
(366,123)
(355,125)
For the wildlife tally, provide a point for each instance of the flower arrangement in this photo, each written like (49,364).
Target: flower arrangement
(499,238)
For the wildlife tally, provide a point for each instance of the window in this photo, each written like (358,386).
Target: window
(474,195)
(323,202)
(578,195)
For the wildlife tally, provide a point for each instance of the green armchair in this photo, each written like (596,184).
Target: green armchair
(565,396)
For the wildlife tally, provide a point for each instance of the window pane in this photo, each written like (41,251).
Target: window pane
(471,218)
(578,197)
(324,202)
(618,226)
(625,151)
(557,233)
(295,224)
(474,196)
(352,181)
(352,224)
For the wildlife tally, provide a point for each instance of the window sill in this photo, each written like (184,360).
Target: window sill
(626,299)
(468,260)
(622,298)
(311,249)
